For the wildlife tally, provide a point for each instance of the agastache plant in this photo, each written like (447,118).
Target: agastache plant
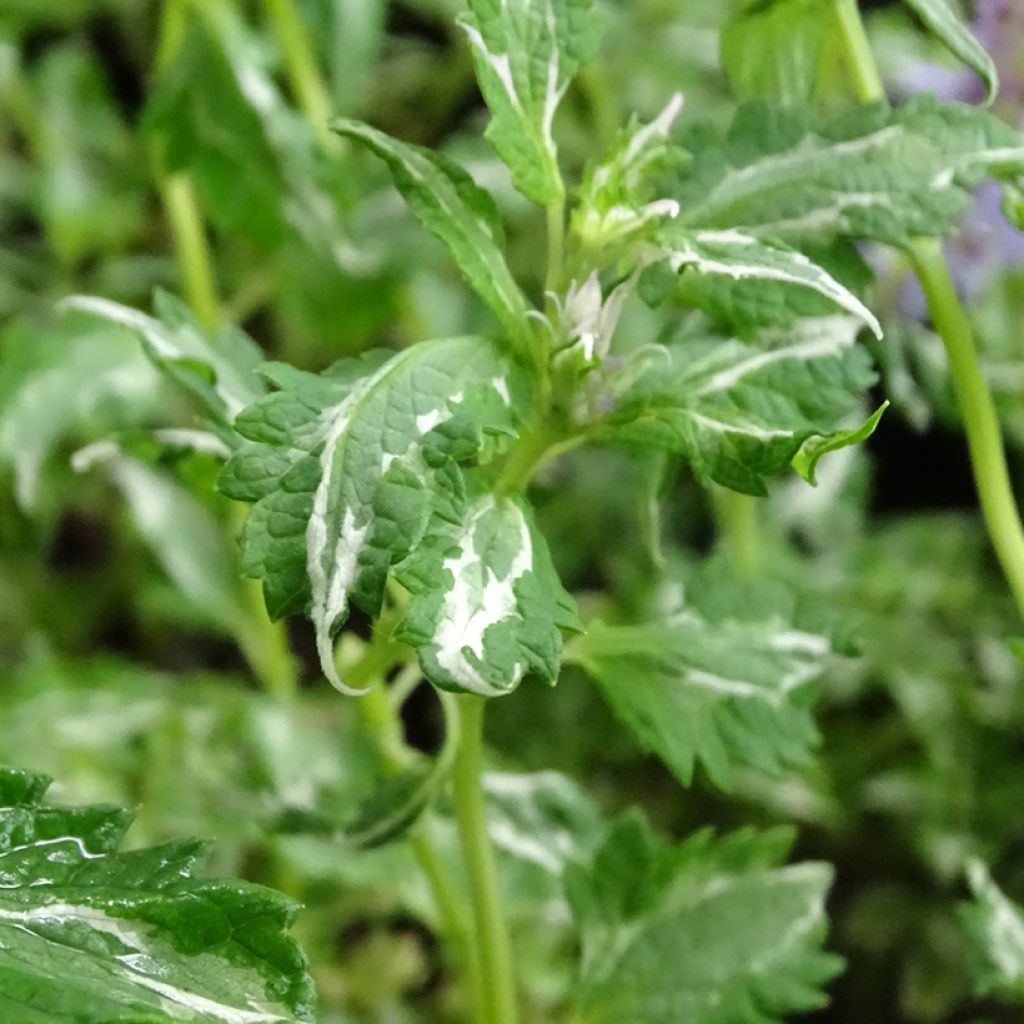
(397,485)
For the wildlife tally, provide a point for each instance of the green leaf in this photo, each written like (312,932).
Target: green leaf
(488,607)
(746,282)
(219,371)
(994,928)
(90,933)
(349,469)
(776,50)
(942,20)
(806,460)
(88,373)
(525,53)
(711,931)
(876,173)
(729,694)
(739,412)
(452,207)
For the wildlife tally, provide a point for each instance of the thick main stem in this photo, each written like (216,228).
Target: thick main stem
(494,947)
(981,422)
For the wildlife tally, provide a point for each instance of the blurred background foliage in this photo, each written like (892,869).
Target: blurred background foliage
(137,668)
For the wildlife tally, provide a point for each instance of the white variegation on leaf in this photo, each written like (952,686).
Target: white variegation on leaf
(743,929)
(884,174)
(349,472)
(525,53)
(488,607)
(740,411)
(91,933)
(728,694)
(749,282)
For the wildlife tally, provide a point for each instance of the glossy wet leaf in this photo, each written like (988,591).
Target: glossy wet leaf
(88,932)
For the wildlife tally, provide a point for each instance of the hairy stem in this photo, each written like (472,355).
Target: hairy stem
(492,940)
(981,422)
(301,67)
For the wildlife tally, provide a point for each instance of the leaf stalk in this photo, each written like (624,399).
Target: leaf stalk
(981,421)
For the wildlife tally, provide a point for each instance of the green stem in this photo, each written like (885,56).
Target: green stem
(191,248)
(740,532)
(867,81)
(981,422)
(492,940)
(556,244)
(301,67)
(379,713)
(179,199)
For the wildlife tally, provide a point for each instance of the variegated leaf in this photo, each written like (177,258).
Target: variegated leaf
(746,282)
(526,52)
(713,930)
(349,469)
(488,607)
(220,371)
(88,933)
(729,694)
(877,173)
(616,203)
(739,412)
